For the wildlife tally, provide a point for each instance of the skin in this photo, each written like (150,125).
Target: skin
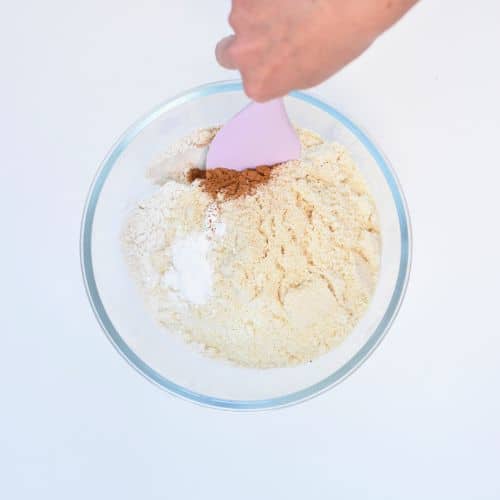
(282,45)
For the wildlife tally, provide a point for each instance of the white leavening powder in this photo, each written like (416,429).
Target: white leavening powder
(191,274)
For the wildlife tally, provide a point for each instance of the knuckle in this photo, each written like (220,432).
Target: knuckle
(232,19)
(254,89)
(241,11)
(243,4)
(236,19)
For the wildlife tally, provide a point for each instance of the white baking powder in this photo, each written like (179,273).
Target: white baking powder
(191,273)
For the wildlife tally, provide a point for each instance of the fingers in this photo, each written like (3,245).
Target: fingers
(223,52)
(260,79)
(262,92)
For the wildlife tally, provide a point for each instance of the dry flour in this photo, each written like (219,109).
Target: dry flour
(272,279)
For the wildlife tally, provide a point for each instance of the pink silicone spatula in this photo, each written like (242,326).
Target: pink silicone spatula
(260,134)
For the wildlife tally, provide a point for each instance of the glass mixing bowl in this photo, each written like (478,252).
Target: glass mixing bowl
(163,357)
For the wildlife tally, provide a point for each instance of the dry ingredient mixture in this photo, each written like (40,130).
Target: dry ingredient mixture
(268,267)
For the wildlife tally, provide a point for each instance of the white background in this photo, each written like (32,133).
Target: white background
(419,420)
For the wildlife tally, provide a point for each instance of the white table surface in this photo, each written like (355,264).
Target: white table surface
(419,420)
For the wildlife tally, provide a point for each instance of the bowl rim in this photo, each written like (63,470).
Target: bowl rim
(230,404)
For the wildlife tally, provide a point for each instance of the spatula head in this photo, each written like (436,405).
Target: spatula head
(260,134)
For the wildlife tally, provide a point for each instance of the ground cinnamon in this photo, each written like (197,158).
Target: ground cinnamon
(230,183)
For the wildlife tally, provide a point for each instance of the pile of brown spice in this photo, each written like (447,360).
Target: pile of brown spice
(230,183)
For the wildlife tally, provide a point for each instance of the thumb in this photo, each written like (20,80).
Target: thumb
(223,54)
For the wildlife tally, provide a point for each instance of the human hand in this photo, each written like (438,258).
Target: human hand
(281,45)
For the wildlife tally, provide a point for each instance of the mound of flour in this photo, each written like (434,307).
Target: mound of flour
(271,279)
